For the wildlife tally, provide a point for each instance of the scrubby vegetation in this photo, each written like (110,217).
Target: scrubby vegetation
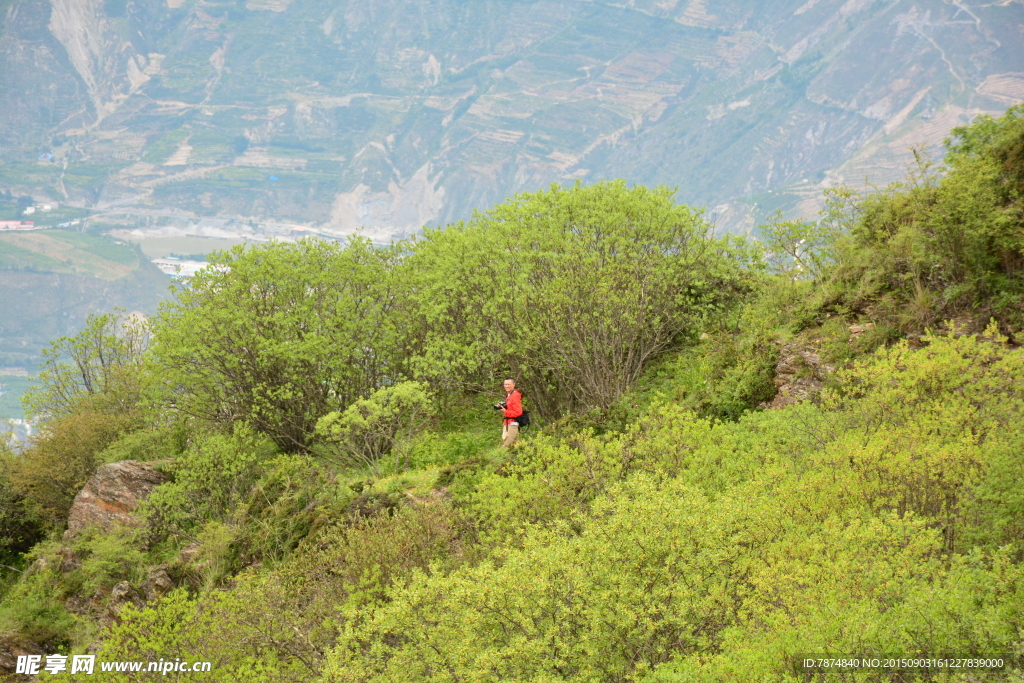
(338,507)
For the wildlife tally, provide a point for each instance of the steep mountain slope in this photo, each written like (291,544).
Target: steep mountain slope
(392,113)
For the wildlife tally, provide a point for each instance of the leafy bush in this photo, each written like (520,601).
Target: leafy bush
(32,608)
(875,589)
(293,498)
(60,459)
(542,483)
(278,625)
(105,559)
(936,247)
(20,529)
(434,449)
(210,482)
(384,423)
(106,366)
(279,335)
(571,291)
(923,428)
(154,442)
(651,574)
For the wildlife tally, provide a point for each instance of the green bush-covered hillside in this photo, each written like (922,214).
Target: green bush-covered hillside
(744,455)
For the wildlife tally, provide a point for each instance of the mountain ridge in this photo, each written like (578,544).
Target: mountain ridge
(390,115)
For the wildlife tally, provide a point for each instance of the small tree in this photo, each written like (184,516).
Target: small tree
(370,428)
(103,361)
(87,395)
(59,459)
(804,250)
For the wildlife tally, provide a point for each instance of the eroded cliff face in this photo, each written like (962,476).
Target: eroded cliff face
(78,25)
(391,113)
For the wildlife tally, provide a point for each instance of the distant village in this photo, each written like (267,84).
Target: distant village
(30,225)
(181,269)
(13,431)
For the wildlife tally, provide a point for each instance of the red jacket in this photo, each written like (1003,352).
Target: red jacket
(513,406)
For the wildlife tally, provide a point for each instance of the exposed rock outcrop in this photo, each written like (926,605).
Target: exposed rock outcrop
(157,584)
(799,375)
(121,595)
(12,647)
(112,496)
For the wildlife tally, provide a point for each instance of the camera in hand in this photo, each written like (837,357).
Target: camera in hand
(500,406)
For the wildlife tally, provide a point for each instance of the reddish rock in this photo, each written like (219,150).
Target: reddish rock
(112,495)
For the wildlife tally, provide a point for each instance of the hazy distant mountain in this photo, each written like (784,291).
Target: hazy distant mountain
(393,113)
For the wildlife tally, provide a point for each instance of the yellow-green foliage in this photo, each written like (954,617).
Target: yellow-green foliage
(384,422)
(708,552)
(87,397)
(292,499)
(83,571)
(59,460)
(651,575)
(210,481)
(571,290)
(19,527)
(104,559)
(943,245)
(282,334)
(923,427)
(658,529)
(33,607)
(278,625)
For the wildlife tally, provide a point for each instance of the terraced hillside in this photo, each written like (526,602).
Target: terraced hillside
(387,114)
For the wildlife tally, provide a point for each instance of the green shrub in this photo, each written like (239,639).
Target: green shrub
(153,442)
(384,423)
(278,625)
(105,559)
(210,481)
(650,574)
(20,529)
(292,499)
(314,319)
(921,429)
(59,460)
(936,247)
(33,608)
(604,278)
(440,449)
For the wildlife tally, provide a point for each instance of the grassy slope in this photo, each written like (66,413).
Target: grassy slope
(60,251)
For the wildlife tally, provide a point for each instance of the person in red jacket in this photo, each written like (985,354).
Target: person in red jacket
(512,408)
